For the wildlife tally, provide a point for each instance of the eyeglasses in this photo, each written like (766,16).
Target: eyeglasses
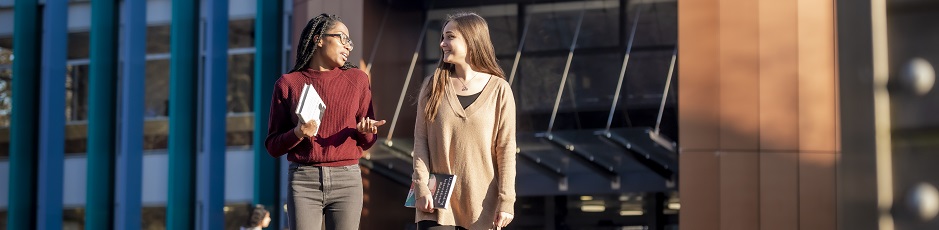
(343,38)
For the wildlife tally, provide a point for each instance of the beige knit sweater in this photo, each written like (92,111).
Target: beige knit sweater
(478,145)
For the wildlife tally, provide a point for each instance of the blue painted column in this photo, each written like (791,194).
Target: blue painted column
(184,36)
(268,35)
(24,142)
(215,107)
(102,94)
(52,114)
(130,144)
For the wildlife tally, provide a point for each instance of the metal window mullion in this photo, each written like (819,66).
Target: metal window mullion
(211,166)
(52,114)
(128,181)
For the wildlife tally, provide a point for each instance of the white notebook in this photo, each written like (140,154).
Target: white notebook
(310,107)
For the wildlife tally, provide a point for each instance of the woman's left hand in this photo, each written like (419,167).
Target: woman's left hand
(502,219)
(368,126)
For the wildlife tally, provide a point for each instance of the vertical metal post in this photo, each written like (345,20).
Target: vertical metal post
(267,68)
(52,114)
(24,137)
(211,169)
(102,110)
(182,137)
(567,68)
(130,155)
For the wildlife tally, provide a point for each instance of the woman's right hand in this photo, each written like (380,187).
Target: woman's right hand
(424,204)
(306,129)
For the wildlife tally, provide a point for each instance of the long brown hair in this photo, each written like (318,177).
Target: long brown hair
(479,55)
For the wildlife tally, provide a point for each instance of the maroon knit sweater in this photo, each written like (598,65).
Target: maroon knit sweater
(348,98)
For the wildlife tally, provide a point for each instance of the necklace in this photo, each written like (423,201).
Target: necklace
(464,82)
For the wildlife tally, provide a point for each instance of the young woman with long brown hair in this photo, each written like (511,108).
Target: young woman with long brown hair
(466,127)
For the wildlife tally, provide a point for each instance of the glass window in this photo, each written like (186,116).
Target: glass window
(600,27)
(240,81)
(78,45)
(157,92)
(593,79)
(241,33)
(504,33)
(553,30)
(158,39)
(658,23)
(645,79)
(76,92)
(240,100)
(538,78)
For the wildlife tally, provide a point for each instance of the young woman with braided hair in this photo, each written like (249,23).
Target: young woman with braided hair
(466,127)
(325,184)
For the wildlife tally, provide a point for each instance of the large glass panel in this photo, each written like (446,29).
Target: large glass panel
(538,79)
(552,26)
(601,27)
(645,79)
(658,23)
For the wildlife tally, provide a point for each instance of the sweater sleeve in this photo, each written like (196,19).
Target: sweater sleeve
(421,149)
(506,151)
(280,136)
(365,141)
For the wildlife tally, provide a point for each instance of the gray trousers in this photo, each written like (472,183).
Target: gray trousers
(324,194)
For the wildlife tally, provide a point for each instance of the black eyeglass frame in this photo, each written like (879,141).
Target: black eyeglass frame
(343,38)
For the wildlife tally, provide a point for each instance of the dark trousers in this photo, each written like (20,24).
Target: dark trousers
(433,225)
(324,194)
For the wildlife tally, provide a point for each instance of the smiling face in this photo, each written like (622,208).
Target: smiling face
(335,46)
(453,44)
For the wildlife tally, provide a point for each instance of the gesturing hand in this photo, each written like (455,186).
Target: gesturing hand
(306,129)
(502,219)
(368,126)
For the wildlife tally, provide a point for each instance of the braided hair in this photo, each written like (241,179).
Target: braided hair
(311,35)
